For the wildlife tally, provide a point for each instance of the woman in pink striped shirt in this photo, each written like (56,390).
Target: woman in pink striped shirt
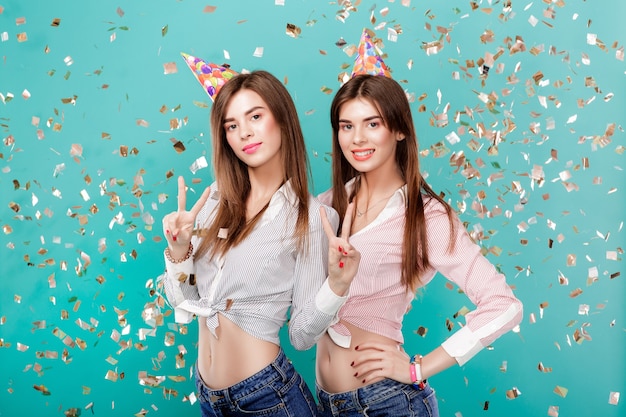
(405,233)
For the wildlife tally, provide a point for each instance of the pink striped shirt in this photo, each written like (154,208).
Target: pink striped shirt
(378,301)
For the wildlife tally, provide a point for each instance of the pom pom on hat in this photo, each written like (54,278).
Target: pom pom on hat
(211,76)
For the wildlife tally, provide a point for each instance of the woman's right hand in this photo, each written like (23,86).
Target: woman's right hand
(343,258)
(178,225)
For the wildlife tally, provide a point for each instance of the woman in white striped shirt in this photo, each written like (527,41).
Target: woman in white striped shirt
(406,234)
(251,248)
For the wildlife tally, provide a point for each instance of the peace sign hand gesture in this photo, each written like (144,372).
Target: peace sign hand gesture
(343,258)
(178,225)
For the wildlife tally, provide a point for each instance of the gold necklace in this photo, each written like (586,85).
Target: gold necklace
(360,213)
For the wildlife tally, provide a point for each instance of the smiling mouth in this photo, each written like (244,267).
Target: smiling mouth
(362,154)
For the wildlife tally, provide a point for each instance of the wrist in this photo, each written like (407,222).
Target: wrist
(177,256)
(339,287)
(415,369)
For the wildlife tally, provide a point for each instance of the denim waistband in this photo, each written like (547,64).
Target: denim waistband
(280,368)
(361,397)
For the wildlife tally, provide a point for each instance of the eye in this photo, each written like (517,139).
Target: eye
(345,126)
(373,124)
(230,127)
(256,117)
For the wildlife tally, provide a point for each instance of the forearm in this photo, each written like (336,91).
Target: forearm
(436,361)
(308,324)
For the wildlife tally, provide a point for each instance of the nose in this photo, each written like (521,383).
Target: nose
(357,136)
(245,131)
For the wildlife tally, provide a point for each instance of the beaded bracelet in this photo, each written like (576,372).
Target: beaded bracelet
(168,255)
(416,373)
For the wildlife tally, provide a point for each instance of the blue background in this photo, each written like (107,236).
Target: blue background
(81,321)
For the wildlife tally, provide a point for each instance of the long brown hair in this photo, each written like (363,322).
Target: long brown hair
(392,104)
(231,173)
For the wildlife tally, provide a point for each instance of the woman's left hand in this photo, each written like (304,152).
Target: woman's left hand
(378,360)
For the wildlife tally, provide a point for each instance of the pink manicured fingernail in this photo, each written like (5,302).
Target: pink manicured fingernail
(356,374)
(356,348)
(340,249)
(167,232)
(340,264)
(174,238)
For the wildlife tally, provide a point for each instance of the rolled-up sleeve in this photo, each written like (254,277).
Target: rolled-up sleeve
(314,305)
(179,287)
(497,309)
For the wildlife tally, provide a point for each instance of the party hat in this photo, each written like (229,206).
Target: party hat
(211,76)
(368,60)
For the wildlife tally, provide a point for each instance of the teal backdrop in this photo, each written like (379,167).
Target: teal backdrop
(520,111)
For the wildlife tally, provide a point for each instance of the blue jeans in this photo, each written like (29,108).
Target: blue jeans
(276,391)
(384,398)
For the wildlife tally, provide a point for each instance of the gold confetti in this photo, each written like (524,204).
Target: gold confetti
(293,30)
(170,68)
(42,388)
(561,391)
(575,293)
(512,394)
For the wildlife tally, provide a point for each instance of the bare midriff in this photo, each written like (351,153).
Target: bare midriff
(232,356)
(334,370)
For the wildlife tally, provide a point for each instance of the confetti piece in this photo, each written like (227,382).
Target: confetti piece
(258,52)
(512,393)
(170,68)
(560,391)
(292,30)
(198,164)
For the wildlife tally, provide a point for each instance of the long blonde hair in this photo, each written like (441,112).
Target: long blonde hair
(231,173)
(392,104)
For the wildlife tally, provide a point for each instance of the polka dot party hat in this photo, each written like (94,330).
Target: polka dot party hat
(211,76)
(368,60)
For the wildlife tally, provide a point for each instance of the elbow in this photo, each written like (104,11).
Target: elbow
(516,314)
(301,341)
(520,312)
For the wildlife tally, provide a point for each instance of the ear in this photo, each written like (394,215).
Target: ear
(400,137)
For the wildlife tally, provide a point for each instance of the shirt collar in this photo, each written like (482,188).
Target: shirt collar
(284,195)
(398,198)
(396,201)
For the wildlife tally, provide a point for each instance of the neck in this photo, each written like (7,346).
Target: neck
(375,187)
(264,183)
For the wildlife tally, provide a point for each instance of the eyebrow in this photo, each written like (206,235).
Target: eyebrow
(367,119)
(252,110)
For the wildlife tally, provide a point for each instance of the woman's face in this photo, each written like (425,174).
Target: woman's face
(367,144)
(252,131)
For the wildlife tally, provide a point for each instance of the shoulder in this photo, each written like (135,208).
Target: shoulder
(326,197)
(211,202)
(315,204)
(432,206)
(437,214)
